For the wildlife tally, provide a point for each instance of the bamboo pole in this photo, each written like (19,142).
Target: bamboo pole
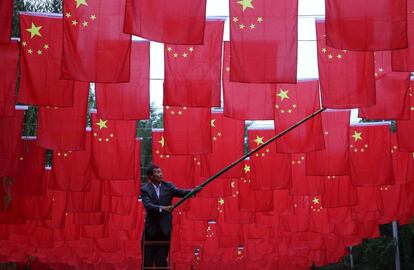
(225,169)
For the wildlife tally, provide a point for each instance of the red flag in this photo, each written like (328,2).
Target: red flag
(86,201)
(369,203)
(178,169)
(204,208)
(31,165)
(269,169)
(402,162)
(187,130)
(245,101)
(192,73)
(263,41)
(41,57)
(293,102)
(113,148)
(71,169)
(128,100)
(10,140)
(347,78)
(301,183)
(178,22)
(366,25)
(339,192)
(95,49)
(367,143)
(333,160)
(228,145)
(9,53)
(395,203)
(64,128)
(403,59)
(405,128)
(6,14)
(392,101)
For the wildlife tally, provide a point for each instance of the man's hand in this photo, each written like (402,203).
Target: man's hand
(168,208)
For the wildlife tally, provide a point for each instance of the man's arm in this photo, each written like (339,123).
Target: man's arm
(177,192)
(152,207)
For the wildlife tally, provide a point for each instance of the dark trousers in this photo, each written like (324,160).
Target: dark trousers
(155,255)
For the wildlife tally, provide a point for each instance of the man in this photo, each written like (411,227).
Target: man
(157,197)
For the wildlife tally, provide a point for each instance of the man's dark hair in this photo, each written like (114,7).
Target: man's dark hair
(151,168)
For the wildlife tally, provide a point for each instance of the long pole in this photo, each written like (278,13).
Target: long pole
(351,258)
(225,169)
(397,245)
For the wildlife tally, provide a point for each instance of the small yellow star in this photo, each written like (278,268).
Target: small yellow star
(259,140)
(235,19)
(191,49)
(68,15)
(324,50)
(175,55)
(233,184)
(24,44)
(39,52)
(315,200)
(245,4)
(259,19)
(330,56)
(80,2)
(85,24)
(46,46)
(339,56)
(221,201)
(29,51)
(283,94)
(93,17)
(169,49)
(185,55)
(213,122)
(246,168)
(162,141)
(357,135)
(74,22)
(241,26)
(34,30)
(102,124)
(252,26)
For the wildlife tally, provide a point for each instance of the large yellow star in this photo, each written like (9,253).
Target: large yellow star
(213,122)
(102,124)
(245,4)
(80,2)
(162,142)
(246,168)
(357,135)
(259,140)
(315,200)
(34,30)
(283,94)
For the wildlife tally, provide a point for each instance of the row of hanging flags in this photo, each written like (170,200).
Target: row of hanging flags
(320,188)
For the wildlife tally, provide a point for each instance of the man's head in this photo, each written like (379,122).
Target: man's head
(154,174)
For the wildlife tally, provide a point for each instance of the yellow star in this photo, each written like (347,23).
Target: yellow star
(68,15)
(245,4)
(259,140)
(259,19)
(74,22)
(357,135)
(185,55)
(233,184)
(102,124)
(162,142)
(80,2)
(191,49)
(24,44)
(34,30)
(46,46)
(213,124)
(221,201)
(93,17)
(330,56)
(39,52)
(235,19)
(85,24)
(315,200)
(283,94)
(252,26)
(241,26)
(169,49)
(324,50)
(339,56)
(29,51)
(246,168)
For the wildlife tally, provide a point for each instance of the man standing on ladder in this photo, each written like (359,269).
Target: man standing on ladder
(157,198)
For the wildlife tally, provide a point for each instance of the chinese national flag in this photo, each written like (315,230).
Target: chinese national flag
(178,169)
(113,148)
(395,202)
(95,48)
(63,128)
(10,140)
(405,128)
(298,221)
(128,100)
(228,146)
(268,169)
(301,183)
(40,61)
(392,101)
(6,14)
(339,192)
(367,144)
(402,162)
(403,59)
(245,101)
(293,102)
(187,130)
(71,170)
(9,53)
(369,203)
(192,73)
(264,41)
(347,78)
(333,160)
(366,25)
(178,22)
